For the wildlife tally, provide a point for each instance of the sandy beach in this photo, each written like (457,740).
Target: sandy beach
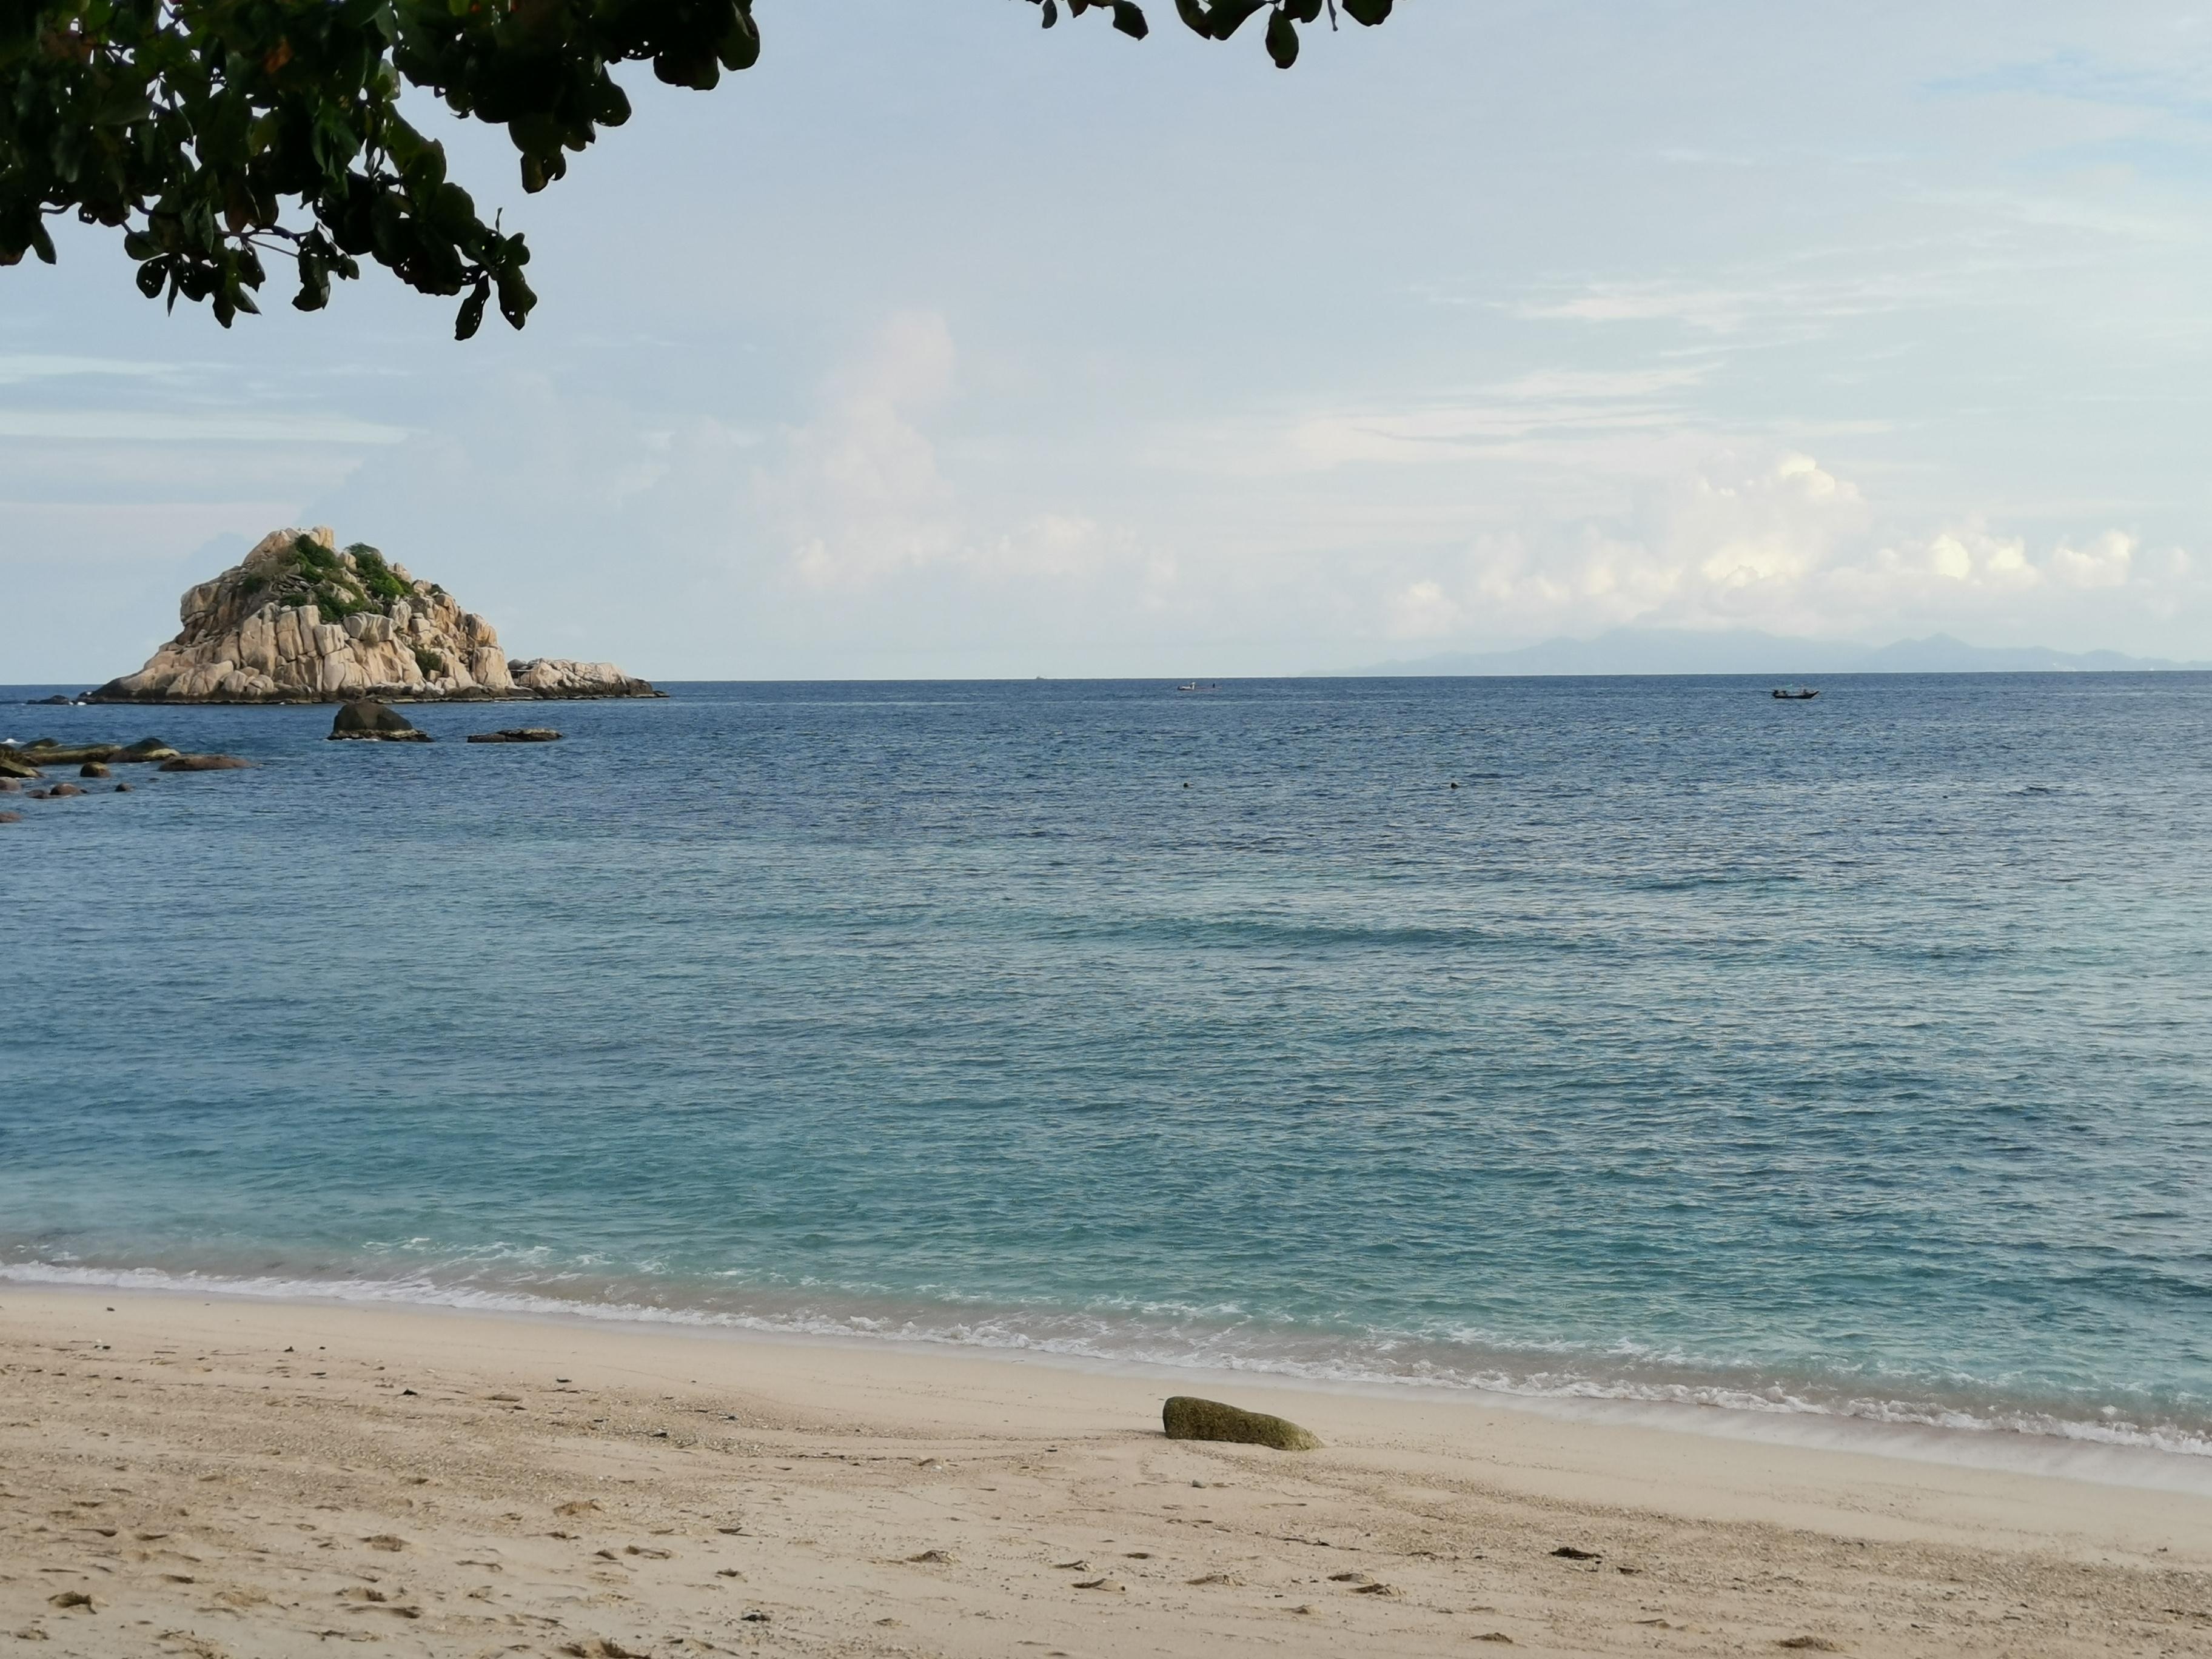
(184,1476)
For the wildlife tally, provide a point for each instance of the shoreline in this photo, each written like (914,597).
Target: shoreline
(1994,1447)
(254,1477)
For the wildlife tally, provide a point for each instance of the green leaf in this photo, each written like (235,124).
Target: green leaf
(1129,18)
(314,285)
(472,310)
(1370,12)
(1282,39)
(739,50)
(1230,16)
(515,298)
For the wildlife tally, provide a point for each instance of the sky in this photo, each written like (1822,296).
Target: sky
(940,345)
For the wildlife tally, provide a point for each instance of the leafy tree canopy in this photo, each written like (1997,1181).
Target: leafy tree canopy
(212,133)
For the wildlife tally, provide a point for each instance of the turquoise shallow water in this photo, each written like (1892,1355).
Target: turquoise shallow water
(1850,1057)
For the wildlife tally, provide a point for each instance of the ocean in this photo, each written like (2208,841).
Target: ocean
(1645,1039)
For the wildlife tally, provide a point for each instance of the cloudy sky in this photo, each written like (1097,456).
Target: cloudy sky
(940,345)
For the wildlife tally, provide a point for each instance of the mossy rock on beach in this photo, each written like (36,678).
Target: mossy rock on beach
(1188,1418)
(15,763)
(144,751)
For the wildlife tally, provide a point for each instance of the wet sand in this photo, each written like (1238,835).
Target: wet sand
(181,1476)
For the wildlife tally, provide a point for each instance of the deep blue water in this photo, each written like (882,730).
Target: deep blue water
(1854,1056)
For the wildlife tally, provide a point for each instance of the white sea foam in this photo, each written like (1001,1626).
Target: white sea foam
(1312,1358)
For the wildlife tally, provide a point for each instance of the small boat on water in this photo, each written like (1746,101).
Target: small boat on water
(1198,685)
(1796,693)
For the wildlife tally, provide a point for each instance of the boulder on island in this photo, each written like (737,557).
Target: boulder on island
(1185,1417)
(517,734)
(301,619)
(204,763)
(554,677)
(373,722)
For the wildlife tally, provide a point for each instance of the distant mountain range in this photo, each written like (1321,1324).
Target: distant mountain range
(1688,651)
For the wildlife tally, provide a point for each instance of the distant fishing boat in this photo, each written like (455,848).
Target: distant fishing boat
(1796,693)
(1196,686)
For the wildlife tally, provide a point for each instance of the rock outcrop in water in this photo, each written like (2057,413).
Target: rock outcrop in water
(374,722)
(303,620)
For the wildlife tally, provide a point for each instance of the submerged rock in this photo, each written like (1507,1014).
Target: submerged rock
(517,734)
(10,785)
(46,752)
(58,792)
(1186,1416)
(301,619)
(123,788)
(48,703)
(374,722)
(11,817)
(205,763)
(93,770)
(25,761)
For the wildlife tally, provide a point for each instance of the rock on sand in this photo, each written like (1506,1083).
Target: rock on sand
(1188,1417)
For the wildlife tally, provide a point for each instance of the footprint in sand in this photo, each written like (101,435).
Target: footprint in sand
(933,1558)
(1110,1585)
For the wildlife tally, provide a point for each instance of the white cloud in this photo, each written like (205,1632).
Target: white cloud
(2106,563)
(1777,542)
(1422,611)
(146,426)
(17,369)
(856,492)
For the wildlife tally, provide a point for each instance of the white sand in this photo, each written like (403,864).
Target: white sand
(428,1482)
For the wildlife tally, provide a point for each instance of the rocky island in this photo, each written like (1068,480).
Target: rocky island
(301,619)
